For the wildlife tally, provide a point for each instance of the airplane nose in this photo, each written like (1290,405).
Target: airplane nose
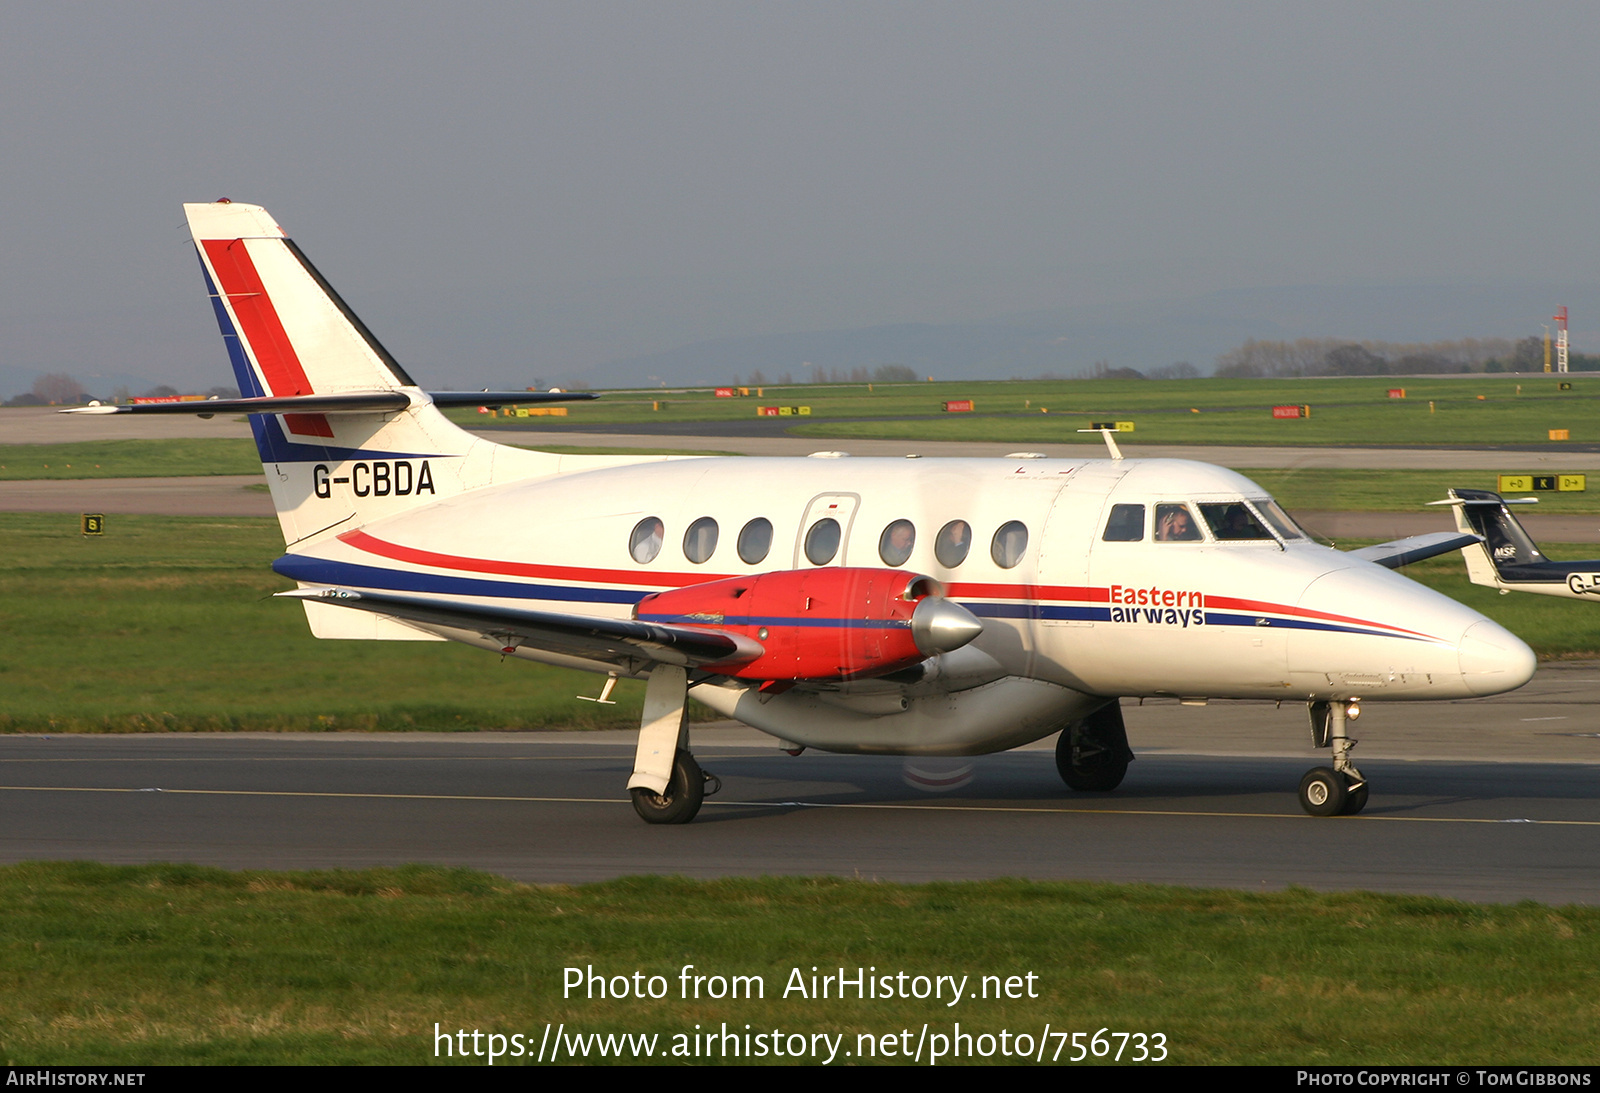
(939,626)
(1493,659)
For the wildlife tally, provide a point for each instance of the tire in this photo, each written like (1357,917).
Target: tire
(1323,792)
(681,801)
(1092,755)
(1355,799)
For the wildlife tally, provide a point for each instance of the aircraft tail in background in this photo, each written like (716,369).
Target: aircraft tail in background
(1508,558)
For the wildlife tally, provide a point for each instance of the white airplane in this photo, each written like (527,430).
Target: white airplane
(1505,556)
(883,606)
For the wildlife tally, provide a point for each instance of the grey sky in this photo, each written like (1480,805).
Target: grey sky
(518,189)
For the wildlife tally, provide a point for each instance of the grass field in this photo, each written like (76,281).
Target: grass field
(1337,490)
(128,459)
(167,623)
(169,964)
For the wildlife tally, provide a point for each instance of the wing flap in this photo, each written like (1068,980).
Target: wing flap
(612,641)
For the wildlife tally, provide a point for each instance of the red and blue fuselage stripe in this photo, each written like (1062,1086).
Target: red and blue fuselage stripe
(601,586)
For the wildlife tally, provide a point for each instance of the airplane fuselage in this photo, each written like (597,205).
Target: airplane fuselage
(1064,561)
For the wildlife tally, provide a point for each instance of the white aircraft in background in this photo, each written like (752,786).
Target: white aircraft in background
(884,606)
(1505,556)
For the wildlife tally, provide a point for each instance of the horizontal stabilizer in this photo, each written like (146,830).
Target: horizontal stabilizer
(1416,548)
(349,402)
(612,641)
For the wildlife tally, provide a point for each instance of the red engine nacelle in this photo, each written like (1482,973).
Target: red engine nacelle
(833,623)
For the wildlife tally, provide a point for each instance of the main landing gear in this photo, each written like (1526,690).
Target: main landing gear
(1339,790)
(667,784)
(680,801)
(1093,754)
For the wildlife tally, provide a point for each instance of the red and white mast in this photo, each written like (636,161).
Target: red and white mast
(1561,338)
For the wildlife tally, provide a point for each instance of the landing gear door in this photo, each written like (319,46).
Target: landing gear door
(824,537)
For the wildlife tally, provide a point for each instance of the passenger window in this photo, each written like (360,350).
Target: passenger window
(645,542)
(955,539)
(894,545)
(755,539)
(700,541)
(1010,544)
(1126,524)
(1233,521)
(822,541)
(1175,524)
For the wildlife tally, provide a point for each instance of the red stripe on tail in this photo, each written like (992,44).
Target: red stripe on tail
(263,330)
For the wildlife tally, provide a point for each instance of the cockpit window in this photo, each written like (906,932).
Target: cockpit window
(1126,524)
(1280,521)
(1233,521)
(1175,524)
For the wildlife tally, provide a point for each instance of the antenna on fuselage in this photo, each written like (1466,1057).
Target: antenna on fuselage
(1116,453)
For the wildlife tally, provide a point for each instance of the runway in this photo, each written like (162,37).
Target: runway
(1491,801)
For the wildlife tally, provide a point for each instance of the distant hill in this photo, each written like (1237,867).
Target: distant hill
(1142,335)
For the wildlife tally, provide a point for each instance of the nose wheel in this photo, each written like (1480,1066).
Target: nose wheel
(1339,790)
(1327,792)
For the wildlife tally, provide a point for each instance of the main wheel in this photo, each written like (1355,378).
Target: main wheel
(1323,792)
(1092,755)
(682,798)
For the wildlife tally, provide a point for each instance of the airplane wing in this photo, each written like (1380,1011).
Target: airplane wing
(623,642)
(1415,548)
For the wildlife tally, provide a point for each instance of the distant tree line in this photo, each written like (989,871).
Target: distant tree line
(884,373)
(1342,357)
(59,389)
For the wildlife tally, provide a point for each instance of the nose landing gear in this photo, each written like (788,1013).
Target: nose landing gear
(1341,790)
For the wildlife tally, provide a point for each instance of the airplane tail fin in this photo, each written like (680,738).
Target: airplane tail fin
(1506,542)
(291,338)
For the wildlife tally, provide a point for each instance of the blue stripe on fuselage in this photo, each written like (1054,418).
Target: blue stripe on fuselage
(1038,611)
(781,620)
(300,567)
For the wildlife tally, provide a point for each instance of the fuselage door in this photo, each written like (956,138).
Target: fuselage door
(824,537)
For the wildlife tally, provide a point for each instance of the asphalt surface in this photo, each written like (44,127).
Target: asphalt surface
(1494,800)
